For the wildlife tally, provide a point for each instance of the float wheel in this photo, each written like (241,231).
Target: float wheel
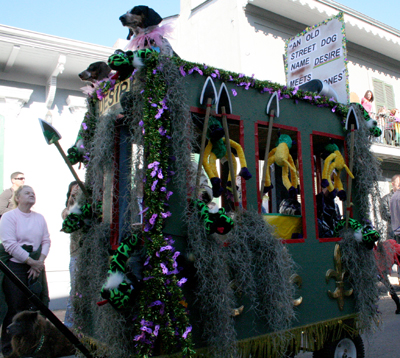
(345,347)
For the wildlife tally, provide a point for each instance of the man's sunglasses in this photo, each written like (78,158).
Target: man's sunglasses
(19,178)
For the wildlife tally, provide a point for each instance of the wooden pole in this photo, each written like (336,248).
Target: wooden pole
(349,179)
(203,145)
(268,145)
(230,162)
(81,185)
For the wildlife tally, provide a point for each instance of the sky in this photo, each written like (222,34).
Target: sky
(98,22)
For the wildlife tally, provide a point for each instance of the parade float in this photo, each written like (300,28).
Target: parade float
(257,272)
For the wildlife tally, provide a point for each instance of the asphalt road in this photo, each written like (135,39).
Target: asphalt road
(385,343)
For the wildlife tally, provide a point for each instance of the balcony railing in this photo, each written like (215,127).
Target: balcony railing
(390,127)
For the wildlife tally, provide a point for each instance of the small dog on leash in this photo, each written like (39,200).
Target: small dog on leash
(34,336)
(144,31)
(96,71)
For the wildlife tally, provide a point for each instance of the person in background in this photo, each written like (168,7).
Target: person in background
(17,179)
(367,100)
(385,206)
(25,244)
(394,113)
(74,247)
(395,211)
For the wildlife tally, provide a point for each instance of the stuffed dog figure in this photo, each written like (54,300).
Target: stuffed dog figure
(96,71)
(144,31)
(34,336)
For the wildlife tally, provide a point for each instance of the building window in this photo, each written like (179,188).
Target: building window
(383,94)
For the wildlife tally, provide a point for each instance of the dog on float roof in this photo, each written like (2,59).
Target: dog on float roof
(34,336)
(96,71)
(143,22)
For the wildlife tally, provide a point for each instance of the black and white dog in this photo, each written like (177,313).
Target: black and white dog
(144,31)
(96,71)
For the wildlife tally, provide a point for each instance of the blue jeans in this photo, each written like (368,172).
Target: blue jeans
(69,313)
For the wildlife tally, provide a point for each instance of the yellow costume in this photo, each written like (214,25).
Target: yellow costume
(334,161)
(281,156)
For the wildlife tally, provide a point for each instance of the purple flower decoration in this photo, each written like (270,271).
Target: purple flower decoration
(163,189)
(176,254)
(168,247)
(159,113)
(234,92)
(84,126)
(166,215)
(148,278)
(82,146)
(140,337)
(162,131)
(332,99)
(154,71)
(241,75)
(334,109)
(143,211)
(154,164)
(156,303)
(164,268)
(188,330)
(181,281)
(141,123)
(169,194)
(147,261)
(153,186)
(99,93)
(160,174)
(182,71)
(146,329)
(156,329)
(295,90)
(146,323)
(153,218)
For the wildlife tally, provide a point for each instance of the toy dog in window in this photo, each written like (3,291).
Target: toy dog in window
(143,22)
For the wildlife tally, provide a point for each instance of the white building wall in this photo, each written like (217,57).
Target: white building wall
(27,151)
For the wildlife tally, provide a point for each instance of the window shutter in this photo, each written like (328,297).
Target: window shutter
(389,95)
(379,94)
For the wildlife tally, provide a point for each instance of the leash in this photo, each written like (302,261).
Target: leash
(40,345)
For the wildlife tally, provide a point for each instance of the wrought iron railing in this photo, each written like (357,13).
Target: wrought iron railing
(390,127)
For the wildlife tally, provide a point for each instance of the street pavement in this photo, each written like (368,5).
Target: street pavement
(384,343)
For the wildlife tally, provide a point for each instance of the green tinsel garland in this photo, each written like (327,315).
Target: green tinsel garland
(162,313)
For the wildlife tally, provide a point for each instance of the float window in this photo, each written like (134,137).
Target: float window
(279,181)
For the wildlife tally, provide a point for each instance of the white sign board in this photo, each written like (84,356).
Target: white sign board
(319,52)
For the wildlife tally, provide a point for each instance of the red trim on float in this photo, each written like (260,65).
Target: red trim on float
(114,226)
(257,149)
(241,142)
